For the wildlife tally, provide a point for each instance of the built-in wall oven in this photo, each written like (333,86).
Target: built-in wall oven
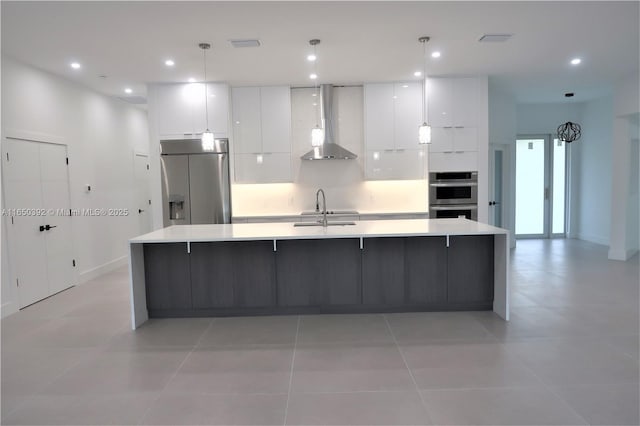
(453,194)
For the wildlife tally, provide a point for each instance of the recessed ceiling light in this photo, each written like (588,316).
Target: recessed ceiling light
(311,58)
(75,65)
(417,73)
(404,86)
(192,80)
(576,61)
(314,94)
(435,54)
(313,76)
(169,62)
(128,90)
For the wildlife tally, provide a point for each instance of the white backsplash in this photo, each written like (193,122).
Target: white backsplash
(342,180)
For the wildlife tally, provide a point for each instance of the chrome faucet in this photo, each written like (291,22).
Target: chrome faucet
(324,206)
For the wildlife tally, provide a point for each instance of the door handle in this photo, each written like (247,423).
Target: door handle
(49,227)
(140,211)
(42,228)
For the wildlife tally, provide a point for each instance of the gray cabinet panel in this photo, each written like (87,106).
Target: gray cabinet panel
(426,270)
(318,272)
(233,274)
(471,269)
(167,276)
(383,275)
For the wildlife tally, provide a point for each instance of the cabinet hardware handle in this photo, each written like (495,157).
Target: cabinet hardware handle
(42,228)
(140,210)
(459,152)
(448,127)
(459,127)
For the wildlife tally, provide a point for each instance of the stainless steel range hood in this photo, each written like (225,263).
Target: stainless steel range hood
(329,150)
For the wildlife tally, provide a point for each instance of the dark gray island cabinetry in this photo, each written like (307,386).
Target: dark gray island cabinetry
(398,266)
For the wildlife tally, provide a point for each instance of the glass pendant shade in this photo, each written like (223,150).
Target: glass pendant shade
(424,134)
(317,136)
(207,141)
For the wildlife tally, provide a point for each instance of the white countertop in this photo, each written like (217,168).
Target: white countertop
(286,230)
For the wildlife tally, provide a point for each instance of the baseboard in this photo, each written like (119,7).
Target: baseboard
(593,239)
(622,254)
(7,309)
(90,274)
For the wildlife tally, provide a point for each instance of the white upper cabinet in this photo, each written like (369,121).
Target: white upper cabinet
(392,115)
(276,118)
(181,109)
(408,114)
(247,131)
(379,116)
(262,134)
(453,102)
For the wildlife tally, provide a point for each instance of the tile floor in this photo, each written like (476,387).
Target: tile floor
(569,356)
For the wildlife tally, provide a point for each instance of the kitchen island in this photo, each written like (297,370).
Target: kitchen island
(279,268)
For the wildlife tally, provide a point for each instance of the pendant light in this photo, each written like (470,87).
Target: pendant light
(317,133)
(207,135)
(424,131)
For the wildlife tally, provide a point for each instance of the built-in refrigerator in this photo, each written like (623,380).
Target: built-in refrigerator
(195,182)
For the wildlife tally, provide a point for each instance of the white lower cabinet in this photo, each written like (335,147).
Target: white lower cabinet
(401,164)
(453,161)
(263,167)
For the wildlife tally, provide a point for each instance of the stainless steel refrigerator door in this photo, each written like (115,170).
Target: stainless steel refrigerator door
(210,191)
(175,190)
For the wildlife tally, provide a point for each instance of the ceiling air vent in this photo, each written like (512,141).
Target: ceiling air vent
(495,38)
(245,42)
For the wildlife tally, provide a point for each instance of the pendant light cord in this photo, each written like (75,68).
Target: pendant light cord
(424,80)
(206,97)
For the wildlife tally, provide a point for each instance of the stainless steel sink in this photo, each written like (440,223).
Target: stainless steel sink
(320,223)
(329,212)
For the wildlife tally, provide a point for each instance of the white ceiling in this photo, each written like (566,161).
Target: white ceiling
(361,41)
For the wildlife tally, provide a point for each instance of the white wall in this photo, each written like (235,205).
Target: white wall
(624,185)
(502,135)
(101,134)
(594,175)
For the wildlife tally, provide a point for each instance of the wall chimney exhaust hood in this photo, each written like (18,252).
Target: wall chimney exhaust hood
(329,149)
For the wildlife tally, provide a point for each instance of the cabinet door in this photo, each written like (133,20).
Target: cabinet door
(401,164)
(263,168)
(228,274)
(383,271)
(275,104)
(218,106)
(167,276)
(407,114)
(247,136)
(453,161)
(175,106)
(426,270)
(318,272)
(441,139)
(470,269)
(378,116)
(440,111)
(465,139)
(465,97)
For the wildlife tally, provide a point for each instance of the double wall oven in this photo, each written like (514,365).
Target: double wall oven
(453,194)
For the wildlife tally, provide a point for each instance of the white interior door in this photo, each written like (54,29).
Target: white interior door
(496,186)
(36,194)
(143,193)
(56,200)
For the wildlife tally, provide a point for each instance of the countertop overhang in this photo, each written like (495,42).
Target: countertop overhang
(286,230)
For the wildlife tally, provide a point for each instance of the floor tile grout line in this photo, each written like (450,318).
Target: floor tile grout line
(406,364)
(293,360)
(175,373)
(547,386)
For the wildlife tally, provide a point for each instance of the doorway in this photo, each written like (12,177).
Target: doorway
(38,214)
(143,192)
(541,187)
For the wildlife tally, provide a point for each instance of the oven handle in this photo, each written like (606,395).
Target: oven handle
(455,207)
(452,184)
